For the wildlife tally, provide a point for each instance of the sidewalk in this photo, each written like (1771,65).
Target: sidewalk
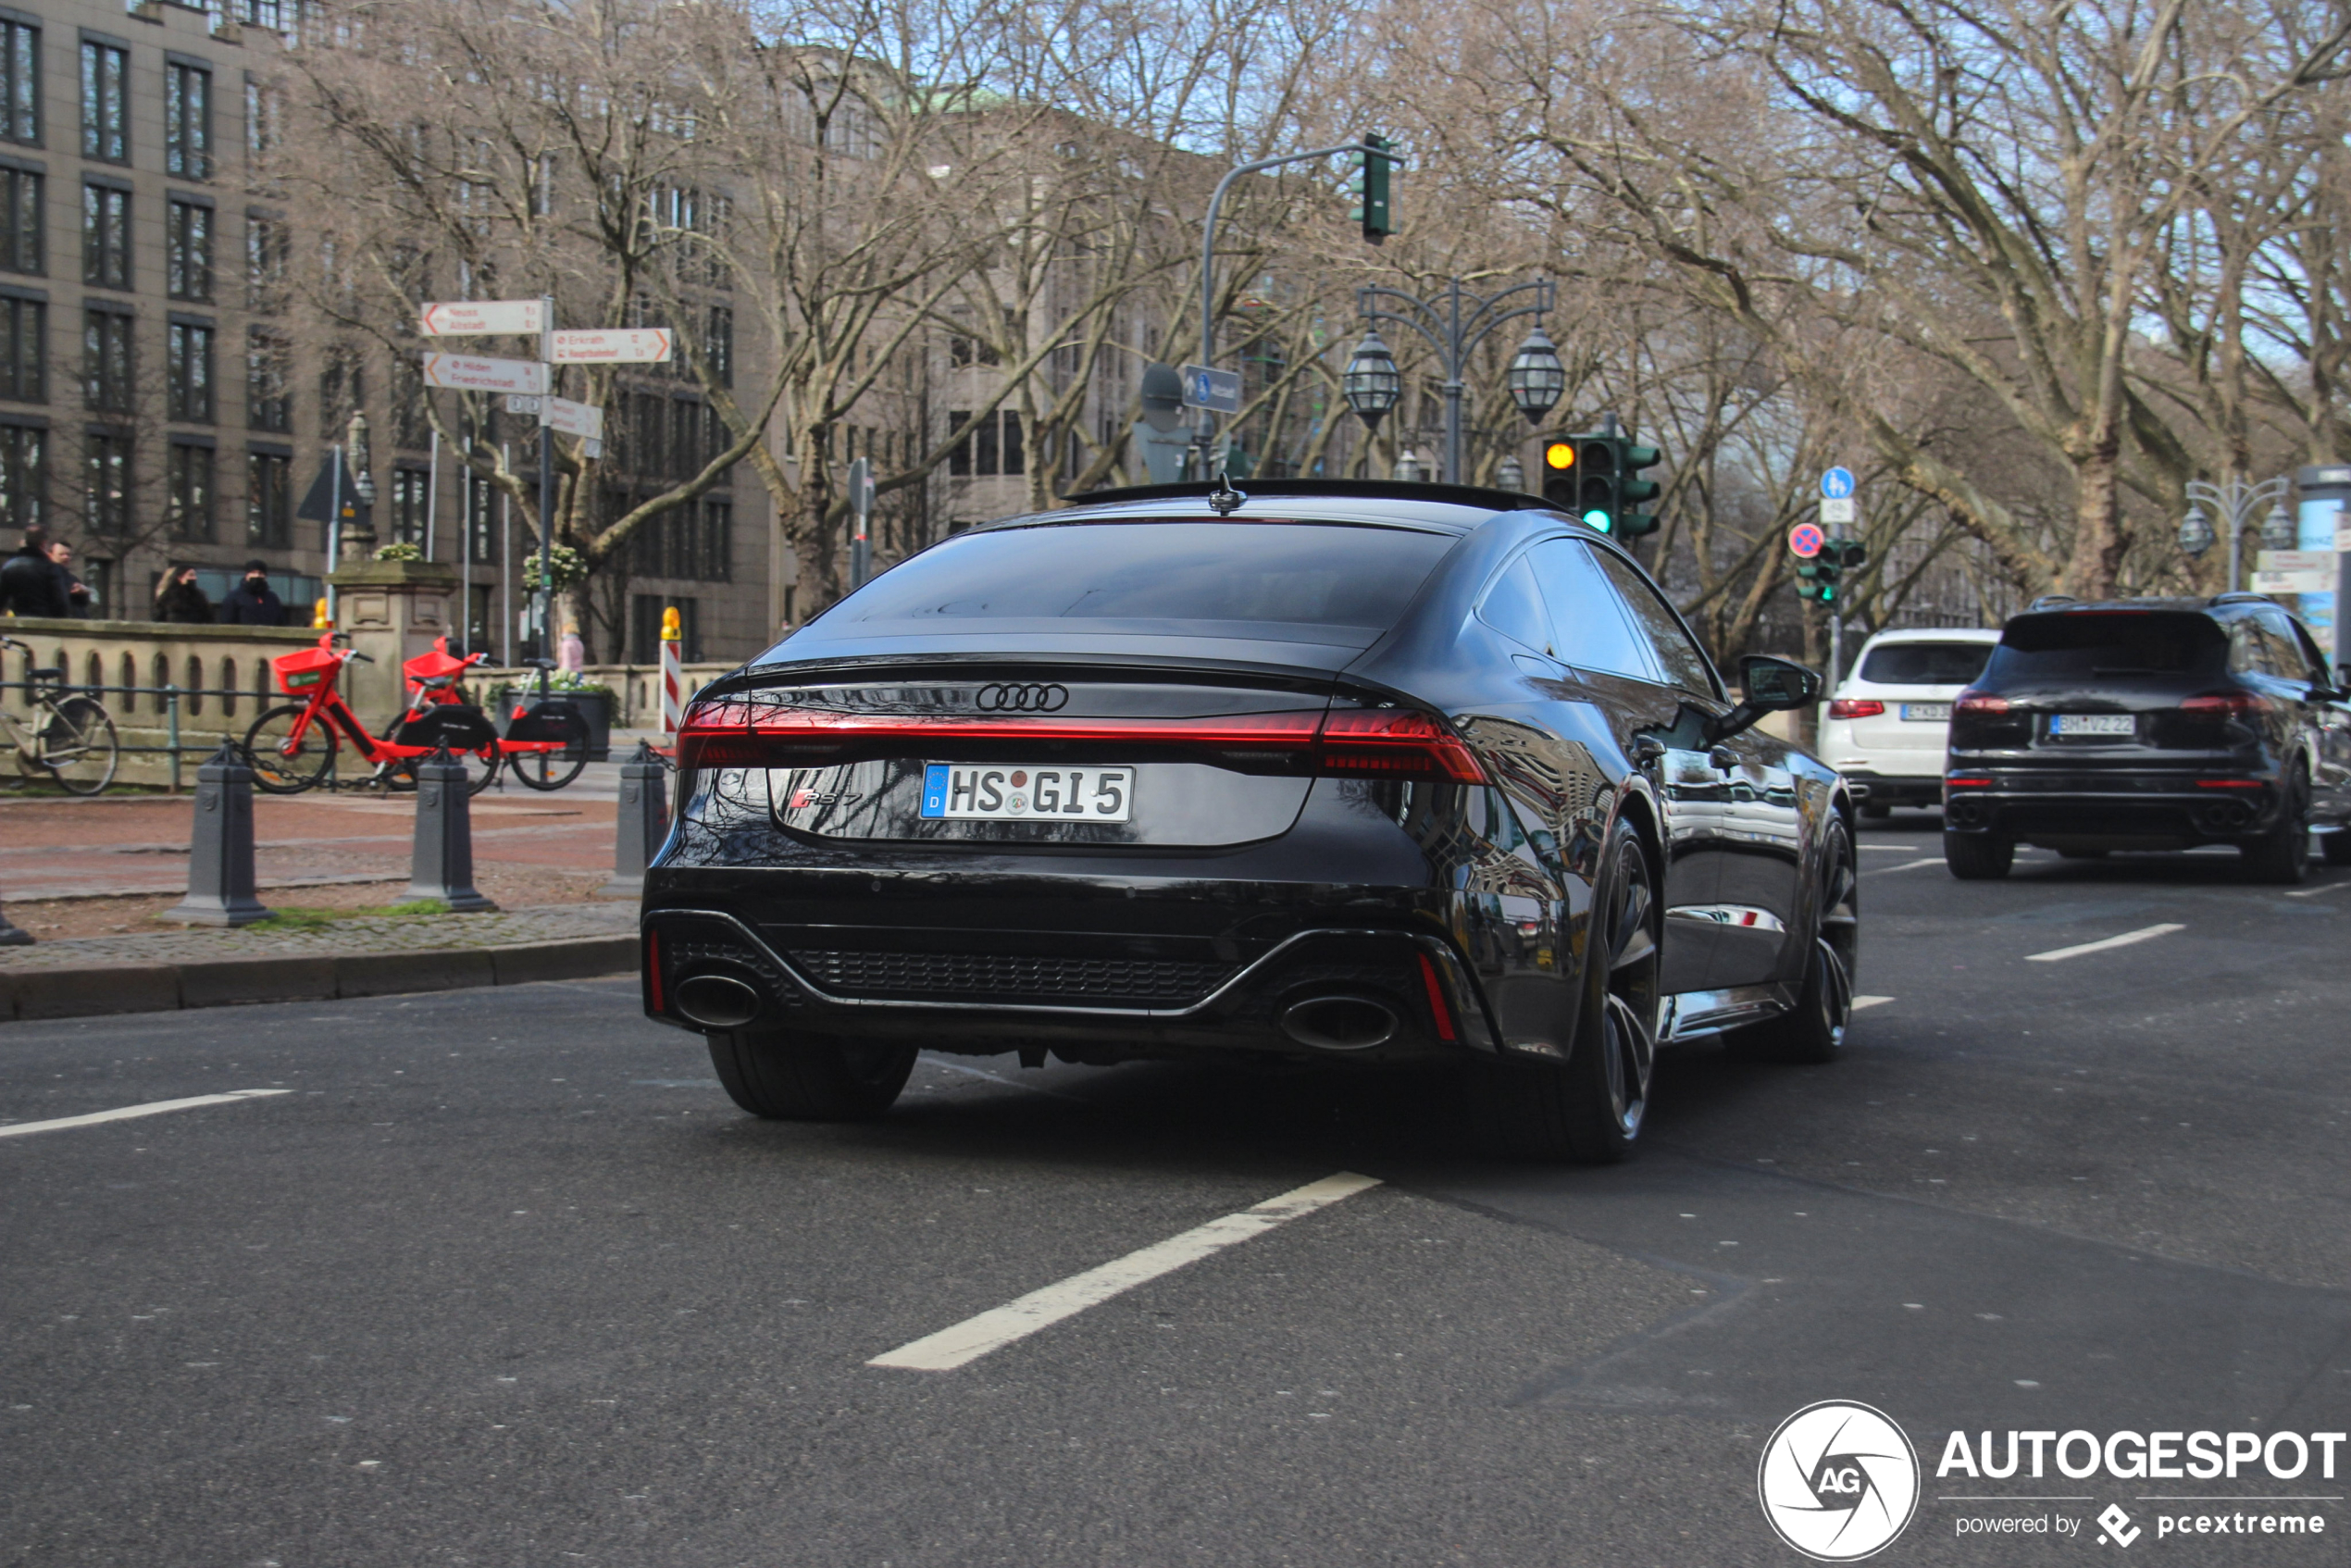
(369,956)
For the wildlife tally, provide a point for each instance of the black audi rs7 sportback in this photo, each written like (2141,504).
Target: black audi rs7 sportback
(1329,771)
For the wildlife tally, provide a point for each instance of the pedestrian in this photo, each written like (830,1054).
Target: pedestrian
(571,653)
(179,599)
(28,582)
(251,602)
(77,592)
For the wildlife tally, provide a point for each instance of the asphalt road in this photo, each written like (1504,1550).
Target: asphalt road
(503,1278)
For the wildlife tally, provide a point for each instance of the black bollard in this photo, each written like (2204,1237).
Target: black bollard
(220,890)
(645,822)
(13,935)
(443,867)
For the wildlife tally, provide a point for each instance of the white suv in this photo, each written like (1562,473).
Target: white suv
(1889,720)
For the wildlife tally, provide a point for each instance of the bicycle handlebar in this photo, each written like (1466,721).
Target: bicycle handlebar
(541,664)
(356,654)
(12,642)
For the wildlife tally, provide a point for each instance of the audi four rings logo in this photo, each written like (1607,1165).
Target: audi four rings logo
(1032,699)
(1838,1481)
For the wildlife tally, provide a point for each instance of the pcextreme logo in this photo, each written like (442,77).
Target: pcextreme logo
(1838,1481)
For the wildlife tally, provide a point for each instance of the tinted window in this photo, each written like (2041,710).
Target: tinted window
(1514,607)
(1588,627)
(2082,644)
(1349,582)
(1679,657)
(2287,648)
(1925,663)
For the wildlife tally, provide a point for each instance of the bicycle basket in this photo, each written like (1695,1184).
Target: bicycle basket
(433,663)
(301,674)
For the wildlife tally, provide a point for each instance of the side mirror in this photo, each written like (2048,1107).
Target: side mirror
(1770,686)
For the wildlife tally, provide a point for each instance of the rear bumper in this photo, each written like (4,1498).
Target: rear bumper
(1899,790)
(2149,811)
(974,995)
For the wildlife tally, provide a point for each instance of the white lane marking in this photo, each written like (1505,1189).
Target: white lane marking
(125,1113)
(1861,1001)
(1906,866)
(2147,933)
(992,1330)
(2318,893)
(1897,849)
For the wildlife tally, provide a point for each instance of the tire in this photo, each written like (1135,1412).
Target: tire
(2282,856)
(278,771)
(78,746)
(480,766)
(553,770)
(1813,1032)
(1591,1107)
(810,1077)
(1978,857)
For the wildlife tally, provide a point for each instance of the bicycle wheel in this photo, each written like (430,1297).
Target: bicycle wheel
(480,765)
(78,745)
(553,770)
(282,765)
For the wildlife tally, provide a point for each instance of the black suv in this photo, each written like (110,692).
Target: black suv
(2150,724)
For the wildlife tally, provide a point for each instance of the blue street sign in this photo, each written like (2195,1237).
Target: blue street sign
(1838,483)
(1219,391)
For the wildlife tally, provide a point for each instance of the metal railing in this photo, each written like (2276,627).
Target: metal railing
(178,743)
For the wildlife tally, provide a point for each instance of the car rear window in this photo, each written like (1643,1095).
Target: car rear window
(2084,643)
(1347,583)
(1925,663)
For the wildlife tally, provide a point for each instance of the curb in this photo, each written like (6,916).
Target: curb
(91,989)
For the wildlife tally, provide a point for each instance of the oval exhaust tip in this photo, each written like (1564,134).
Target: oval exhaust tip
(1339,1023)
(717,1002)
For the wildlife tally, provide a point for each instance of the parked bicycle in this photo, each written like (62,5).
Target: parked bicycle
(295,746)
(69,737)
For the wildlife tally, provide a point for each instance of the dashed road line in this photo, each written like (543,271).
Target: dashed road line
(1861,1001)
(1906,866)
(992,1330)
(2147,933)
(126,1113)
(2318,893)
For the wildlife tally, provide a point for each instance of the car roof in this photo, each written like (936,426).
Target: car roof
(2176,606)
(1936,634)
(1456,509)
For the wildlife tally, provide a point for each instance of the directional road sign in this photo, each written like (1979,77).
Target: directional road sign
(2295,561)
(572,418)
(614,346)
(474,373)
(2293,582)
(1836,509)
(1836,484)
(465,319)
(1805,540)
(1219,391)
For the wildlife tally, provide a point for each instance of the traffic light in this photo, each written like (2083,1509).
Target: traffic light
(1819,577)
(1372,184)
(1590,476)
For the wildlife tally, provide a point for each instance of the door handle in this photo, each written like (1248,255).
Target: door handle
(1725,759)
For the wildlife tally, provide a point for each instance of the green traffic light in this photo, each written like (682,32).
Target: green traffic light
(1598,518)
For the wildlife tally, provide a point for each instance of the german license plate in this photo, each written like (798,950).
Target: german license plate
(957,792)
(2092,723)
(1926,713)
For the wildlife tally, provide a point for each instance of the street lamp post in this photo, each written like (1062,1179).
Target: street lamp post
(2235,501)
(1454,324)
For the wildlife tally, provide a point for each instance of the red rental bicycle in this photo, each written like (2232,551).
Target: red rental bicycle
(295,746)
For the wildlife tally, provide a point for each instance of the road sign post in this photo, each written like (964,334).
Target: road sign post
(860,513)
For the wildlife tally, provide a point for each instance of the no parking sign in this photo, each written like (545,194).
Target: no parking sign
(1805,540)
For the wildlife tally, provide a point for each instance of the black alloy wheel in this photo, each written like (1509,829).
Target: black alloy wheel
(2282,856)
(1813,1031)
(1591,1108)
(1978,857)
(791,1076)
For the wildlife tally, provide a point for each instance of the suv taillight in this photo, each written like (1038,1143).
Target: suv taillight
(2225,704)
(1979,703)
(1855,707)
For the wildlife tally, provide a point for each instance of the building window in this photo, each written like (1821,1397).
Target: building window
(188,493)
(994,447)
(718,541)
(24,350)
(481,543)
(21,195)
(108,499)
(23,476)
(718,344)
(107,360)
(105,122)
(188,249)
(266,253)
(410,502)
(270,14)
(269,501)
(20,82)
(268,405)
(411,423)
(105,237)
(187,120)
(343,386)
(190,372)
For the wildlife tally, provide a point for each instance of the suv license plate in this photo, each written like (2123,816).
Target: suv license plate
(2094,724)
(1025,792)
(1926,713)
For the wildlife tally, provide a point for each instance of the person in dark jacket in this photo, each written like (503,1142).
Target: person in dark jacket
(29,582)
(251,602)
(79,598)
(179,599)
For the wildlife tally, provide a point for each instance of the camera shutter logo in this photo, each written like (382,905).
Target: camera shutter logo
(1838,1481)
(1022,699)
